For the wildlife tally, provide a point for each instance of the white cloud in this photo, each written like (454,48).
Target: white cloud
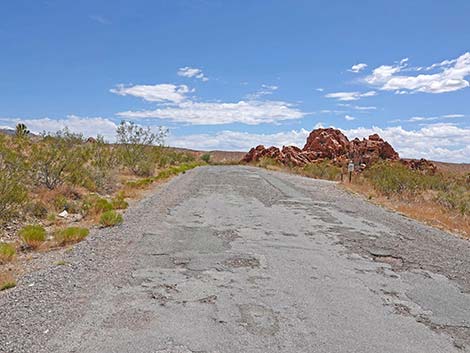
(350,96)
(357,107)
(265,90)
(238,141)
(192,72)
(319,89)
(451,77)
(165,92)
(88,126)
(357,68)
(349,117)
(209,113)
(415,119)
(442,142)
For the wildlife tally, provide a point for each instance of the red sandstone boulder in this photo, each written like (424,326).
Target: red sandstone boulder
(327,143)
(371,150)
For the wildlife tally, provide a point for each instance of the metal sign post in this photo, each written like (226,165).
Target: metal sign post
(350,170)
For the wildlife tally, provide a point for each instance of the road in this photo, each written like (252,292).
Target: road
(240,259)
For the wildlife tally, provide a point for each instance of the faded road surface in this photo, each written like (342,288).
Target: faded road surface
(238,259)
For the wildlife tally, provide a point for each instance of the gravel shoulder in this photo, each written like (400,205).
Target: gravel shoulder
(240,259)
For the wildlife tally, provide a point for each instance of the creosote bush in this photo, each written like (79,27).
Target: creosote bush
(33,235)
(7,252)
(70,235)
(322,170)
(110,219)
(397,179)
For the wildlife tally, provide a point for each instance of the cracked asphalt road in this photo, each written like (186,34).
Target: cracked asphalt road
(239,259)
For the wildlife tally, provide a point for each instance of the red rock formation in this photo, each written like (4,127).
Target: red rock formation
(328,143)
(371,150)
(422,165)
(332,144)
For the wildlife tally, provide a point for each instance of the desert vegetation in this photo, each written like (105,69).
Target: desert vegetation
(56,186)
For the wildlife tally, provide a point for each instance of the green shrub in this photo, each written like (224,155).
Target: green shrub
(36,209)
(33,235)
(7,252)
(395,178)
(58,158)
(136,147)
(206,157)
(322,170)
(119,203)
(110,218)
(102,205)
(70,235)
(456,197)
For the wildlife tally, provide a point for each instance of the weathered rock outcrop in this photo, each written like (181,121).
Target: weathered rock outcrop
(422,165)
(333,145)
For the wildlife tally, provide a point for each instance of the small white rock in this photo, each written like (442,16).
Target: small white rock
(63,214)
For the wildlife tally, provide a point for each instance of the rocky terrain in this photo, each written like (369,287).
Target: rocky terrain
(333,145)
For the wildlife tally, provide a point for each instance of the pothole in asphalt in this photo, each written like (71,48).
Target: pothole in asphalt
(242,261)
(258,320)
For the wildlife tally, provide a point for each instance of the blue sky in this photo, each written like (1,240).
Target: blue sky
(224,74)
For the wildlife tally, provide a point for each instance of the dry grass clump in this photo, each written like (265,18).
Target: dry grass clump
(110,219)
(70,235)
(7,281)
(321,170)
(7,252)
(33,235)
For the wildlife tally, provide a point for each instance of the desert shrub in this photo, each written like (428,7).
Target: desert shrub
(456,197)
(7,252)
(102,205)
(70,235)
(135,147)
(36,209)
(266,162)
(13,192)
(60,203)
(322,170)
(58,158)
(103,160)
(206,157)
(33,235)
(110,218)
(119,203)
(395,178)
(21,131)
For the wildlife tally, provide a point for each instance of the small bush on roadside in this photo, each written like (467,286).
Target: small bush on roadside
(119,203)
(110,218)
(206,157)
(267,162)
(322,170)
(137,147)
(455,198)
(7,252)
(70,235)
(36,209)
(102,205)
(33,235)
(397,179)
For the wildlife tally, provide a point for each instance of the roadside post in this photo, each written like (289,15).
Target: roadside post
(350,170)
